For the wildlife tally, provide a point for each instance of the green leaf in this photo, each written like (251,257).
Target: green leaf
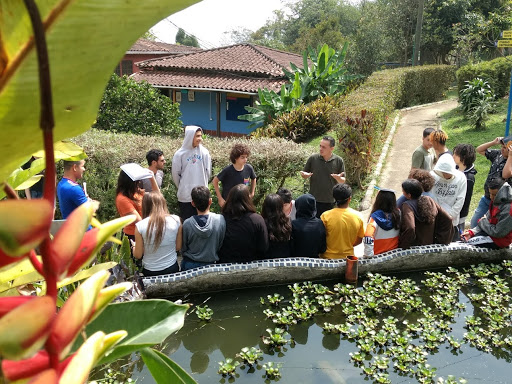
(163,369)
(86,39)
(148,322)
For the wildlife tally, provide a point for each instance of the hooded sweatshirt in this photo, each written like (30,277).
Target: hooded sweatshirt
(380,228)
(308,232)
(191,167)
(497,223)
(424,222)
(470,179)
(449,193)
(201,243)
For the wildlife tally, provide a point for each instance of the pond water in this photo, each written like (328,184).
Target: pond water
(316,356)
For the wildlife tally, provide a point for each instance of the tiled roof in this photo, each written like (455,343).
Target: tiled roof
(208,80)
(144,46)
(241,67)
(245,58)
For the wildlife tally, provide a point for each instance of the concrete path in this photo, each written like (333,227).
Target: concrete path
(407,138)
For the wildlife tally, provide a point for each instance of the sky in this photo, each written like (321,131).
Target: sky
(209,19)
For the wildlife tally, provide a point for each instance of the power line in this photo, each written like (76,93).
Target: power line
(206,44)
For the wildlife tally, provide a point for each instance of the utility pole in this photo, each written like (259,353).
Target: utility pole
(417,36)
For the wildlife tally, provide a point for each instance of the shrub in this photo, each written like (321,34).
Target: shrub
(273,160)
(129,106)
(496,72)
(476,101)
(303,123)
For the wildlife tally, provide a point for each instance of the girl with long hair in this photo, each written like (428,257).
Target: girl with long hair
(157,237)
(129,201)
(246,237)
(383,226)
(279,227)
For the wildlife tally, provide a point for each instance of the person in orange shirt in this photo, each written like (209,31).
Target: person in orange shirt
(383,227)
(344,226)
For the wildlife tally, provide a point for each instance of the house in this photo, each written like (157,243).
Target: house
(145,49)
(213,86)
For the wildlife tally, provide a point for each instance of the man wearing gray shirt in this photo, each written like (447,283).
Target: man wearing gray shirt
(325,170)
(156,163)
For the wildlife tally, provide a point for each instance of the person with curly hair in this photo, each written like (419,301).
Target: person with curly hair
(438,139)
(423,220)
(239,172)
(426,180)
(464,156)
(279,227)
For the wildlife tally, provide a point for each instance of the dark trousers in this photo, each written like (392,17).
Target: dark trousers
(186,210)
(172,269)
(322,207)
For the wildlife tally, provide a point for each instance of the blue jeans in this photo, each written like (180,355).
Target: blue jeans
(187,264)
(483,207)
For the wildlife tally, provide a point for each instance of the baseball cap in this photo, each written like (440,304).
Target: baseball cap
(506,140)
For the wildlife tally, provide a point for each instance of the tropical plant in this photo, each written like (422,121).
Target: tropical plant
(36,343)
(130,106)
(228,367)
(476,101)
(327,75)
(250,356)
(272,370)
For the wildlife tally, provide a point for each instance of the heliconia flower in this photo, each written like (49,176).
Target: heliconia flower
(22,369)
(6,260)
(106,295)
(24,330)
(77,371)
(74,314)
(93,240)
(69,237)
(46,377)
(23,225)
(8,303)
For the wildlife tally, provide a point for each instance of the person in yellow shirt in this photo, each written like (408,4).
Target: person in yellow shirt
(344,226)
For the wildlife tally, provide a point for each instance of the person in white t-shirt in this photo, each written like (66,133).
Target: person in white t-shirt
(157,237)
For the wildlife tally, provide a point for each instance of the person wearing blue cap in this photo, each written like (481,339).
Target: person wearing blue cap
(501,166)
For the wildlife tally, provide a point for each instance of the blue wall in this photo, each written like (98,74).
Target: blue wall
(203,112)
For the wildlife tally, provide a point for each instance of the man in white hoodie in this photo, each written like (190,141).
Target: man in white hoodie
(449,190)
(191,167)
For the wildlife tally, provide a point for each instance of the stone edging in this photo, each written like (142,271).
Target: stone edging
(218,277)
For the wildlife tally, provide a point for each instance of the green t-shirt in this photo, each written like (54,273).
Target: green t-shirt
(321,182)
(423,158)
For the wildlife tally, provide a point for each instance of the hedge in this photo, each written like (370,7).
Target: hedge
(273,160)
(496,72)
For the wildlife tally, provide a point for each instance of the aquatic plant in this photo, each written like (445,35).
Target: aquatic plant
(276,338)
(204,312)
(272,370)
(228,367)
(250,355)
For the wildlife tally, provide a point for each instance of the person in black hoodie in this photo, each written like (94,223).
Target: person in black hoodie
(246,237)
(308,232)
(464,156)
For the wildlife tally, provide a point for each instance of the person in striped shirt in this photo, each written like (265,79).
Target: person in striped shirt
(383,226)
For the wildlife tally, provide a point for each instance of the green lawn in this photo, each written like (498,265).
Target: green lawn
(459,131)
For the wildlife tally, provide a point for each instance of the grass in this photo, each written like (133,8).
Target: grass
(460,131)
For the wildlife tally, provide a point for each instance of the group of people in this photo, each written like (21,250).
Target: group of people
(433,208)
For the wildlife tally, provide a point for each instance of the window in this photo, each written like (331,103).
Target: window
(127,67)
(235,106)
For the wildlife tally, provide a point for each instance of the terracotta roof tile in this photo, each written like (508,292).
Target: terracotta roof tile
(145,45)
(208,80)
(241,58)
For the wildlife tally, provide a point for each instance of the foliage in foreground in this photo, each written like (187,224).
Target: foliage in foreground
(130,106)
